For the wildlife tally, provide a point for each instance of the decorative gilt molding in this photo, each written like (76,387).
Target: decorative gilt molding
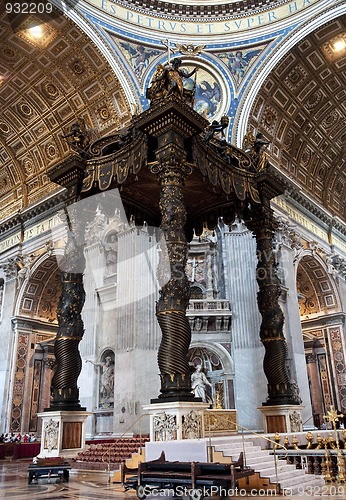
(220,421)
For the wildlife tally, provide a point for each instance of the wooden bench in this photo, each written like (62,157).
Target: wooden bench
(195,478)
(49,468)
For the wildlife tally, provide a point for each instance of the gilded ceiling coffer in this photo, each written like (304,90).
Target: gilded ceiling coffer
(177,171)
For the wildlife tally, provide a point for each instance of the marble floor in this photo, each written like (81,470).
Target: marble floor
(95,485)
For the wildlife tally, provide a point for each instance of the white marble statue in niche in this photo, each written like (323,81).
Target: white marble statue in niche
(111,249)
(200,384)
(106,389)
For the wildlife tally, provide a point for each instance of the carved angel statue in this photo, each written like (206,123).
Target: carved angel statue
(77,138)
(24,264)
(156,90)
(189,49)
(255,146)
(216,127)
(168,80)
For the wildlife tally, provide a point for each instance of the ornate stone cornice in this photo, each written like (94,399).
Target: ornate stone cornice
(29,324)
(295,193)
(53,203)
(10,269)
(320,321)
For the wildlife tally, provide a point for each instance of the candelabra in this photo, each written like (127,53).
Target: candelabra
(333,417)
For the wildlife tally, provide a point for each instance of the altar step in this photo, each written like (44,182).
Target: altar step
(288,478)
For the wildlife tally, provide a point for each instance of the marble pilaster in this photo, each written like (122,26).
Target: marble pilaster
(293,333)
(315,388)
(247,350)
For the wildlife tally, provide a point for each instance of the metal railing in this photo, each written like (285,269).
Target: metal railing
(276,445)
(108,452)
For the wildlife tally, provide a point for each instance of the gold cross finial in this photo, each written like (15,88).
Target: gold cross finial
(332,415)
(167,44)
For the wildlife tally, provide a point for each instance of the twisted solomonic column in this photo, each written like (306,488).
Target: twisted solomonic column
(68,365)
(175,289)
(275,361)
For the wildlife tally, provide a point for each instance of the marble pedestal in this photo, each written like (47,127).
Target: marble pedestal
(176,420)
(63,433)
(282,418)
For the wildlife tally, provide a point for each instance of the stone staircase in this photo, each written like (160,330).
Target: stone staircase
(290,480)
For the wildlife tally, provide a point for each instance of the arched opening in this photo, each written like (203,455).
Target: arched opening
(35,325)
(322,327)
(218,369)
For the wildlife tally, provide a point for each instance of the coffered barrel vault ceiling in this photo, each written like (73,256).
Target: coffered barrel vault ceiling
(301,108)
(46,85)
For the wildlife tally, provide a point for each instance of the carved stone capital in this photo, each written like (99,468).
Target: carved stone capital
(10,269)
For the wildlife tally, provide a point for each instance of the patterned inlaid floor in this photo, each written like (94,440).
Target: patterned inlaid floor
(95,485)
(82,485)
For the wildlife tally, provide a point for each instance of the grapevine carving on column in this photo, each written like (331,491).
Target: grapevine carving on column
(174,294)
(275,361)
(64,389)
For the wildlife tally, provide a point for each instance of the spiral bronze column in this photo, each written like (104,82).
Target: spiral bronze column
(174,293)
(275,361)
(169,124)
(68,363)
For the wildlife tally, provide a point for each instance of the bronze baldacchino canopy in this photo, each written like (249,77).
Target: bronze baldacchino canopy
(174,170)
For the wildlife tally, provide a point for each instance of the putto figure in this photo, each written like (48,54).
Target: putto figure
(168,80)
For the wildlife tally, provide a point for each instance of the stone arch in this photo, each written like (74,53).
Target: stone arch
(242,119)
(217,365)
(39,293)
(323,335)
(197,291)
(80,69)
(293,105)
(108,53)
(316,290)
(35,326)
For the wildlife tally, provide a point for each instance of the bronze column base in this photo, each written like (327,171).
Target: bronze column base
(175,387)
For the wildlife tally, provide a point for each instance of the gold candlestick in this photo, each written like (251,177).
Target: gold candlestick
(319,442)
(341,467)
(333,417)
(309,438)
(277,440)
(332,442)
(327,477)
